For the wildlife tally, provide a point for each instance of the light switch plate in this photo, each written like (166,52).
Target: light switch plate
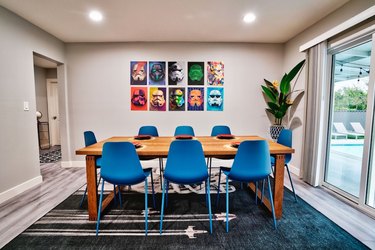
(26,106)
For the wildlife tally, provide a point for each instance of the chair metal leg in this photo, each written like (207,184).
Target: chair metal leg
(83,197)
(161,171)
(256,193)
(227,205)
(166,191)
(208,198)
(114,197)
(162,207)
(153,191)
(84,194)
(205,190)
(291,182)
(119,194)
(261,197)
(218,190)
(146,207)
(271,201)
(99,209)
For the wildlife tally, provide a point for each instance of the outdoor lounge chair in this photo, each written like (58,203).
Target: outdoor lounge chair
(357,127)
(341,129)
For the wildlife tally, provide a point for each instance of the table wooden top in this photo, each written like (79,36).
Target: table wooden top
(159,146)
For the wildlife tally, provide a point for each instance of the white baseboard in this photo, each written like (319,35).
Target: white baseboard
(73,164)
(10,193)
(294,170)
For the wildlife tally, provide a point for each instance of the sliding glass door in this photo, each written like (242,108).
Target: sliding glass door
(350,151)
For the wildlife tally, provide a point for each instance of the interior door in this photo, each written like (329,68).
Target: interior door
(53,111)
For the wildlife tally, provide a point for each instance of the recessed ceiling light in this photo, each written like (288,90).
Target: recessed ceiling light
(249,18)
(96,16)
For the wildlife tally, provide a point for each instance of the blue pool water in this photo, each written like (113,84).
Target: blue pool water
(349,149)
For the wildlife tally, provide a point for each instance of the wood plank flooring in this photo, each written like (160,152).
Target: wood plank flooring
(23,210)
(58,183)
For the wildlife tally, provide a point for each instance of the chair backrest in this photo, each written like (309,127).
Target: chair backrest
(186,163)
(120,164)
(184,130)
(148,130)
(357,127)
(220,129)
(89,138)
(286,139)
(252,161)
(340,127)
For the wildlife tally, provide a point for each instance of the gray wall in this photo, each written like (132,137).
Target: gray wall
(18,133)
(99,87)
(292,55)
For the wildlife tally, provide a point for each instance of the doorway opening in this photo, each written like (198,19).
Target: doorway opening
(47,106)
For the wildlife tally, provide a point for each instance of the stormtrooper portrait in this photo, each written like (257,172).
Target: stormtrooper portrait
(157,72)
(157,100)
(139,97)
(215,98)
(177,99)
(138,74)
(195,99)
(175,73)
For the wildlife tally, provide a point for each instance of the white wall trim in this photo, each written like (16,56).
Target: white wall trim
(73,164)
(10,193)
(339,28)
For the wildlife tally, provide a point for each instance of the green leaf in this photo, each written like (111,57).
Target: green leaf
(295,70)
(273,106)
(284,85)
(271,95)
(269,84)
(271,111)
(271,87)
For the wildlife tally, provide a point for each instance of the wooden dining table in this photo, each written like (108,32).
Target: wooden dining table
(158,147)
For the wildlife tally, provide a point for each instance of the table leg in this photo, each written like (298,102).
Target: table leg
(92,190)
(278,191)
(278,187)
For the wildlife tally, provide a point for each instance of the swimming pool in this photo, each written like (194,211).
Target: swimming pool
(348,149)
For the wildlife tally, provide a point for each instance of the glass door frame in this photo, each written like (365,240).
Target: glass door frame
(335,48)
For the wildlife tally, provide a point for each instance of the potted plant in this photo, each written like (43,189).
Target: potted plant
(280,97)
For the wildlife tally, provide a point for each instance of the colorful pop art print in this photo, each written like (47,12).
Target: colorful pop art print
(195,99)
(215,73)
(138,73)
(157,73)
(157,99)
(138,98)
(215,99)
(177,99)
(177,73)
(195,73)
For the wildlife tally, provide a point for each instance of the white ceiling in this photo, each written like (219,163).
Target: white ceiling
(173,20)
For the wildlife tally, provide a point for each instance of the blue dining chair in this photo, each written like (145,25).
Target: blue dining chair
(121,166)
(90,139)
(184,130)
(217,130)
(220,129)
(148,130)
(251,164)
(185,165)
(153,131)
(285,138)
